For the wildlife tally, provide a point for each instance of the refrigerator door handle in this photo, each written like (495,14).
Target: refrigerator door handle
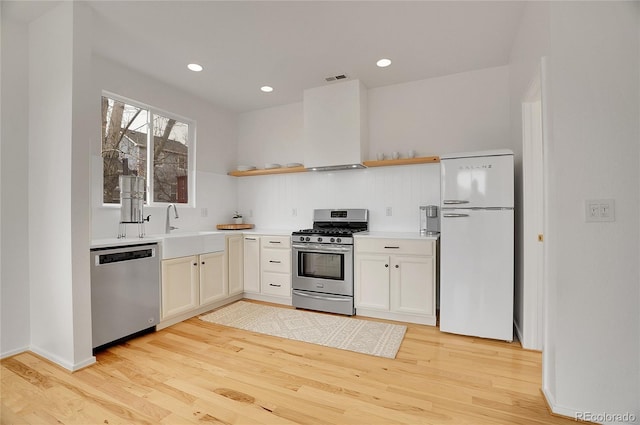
(454,215)
(454,202)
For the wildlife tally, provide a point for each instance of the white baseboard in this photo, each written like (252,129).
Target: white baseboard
(558,409)
(63,362)
(13,352)
(268,298)
(165,323)
(518,333)
(398,317)
(525,344)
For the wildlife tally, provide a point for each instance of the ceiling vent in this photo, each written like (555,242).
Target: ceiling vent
(336,77)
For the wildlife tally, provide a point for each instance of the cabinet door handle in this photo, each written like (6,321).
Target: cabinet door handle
(274,261)
(195,264)
(273,284)
(386,265)
(274,242)
(391,247)
(249,239)
(203,262)
(397,266)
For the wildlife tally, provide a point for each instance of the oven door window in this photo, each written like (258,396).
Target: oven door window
(321,265)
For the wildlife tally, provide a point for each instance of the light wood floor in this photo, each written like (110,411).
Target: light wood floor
(198,372)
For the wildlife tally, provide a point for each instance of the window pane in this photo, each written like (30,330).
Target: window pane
(170,160)
(124,145)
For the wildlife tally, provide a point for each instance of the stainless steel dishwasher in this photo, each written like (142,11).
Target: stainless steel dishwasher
(125,292)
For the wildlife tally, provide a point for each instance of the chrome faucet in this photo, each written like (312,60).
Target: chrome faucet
(168,228)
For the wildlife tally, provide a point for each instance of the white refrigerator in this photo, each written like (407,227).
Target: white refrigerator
(476,244)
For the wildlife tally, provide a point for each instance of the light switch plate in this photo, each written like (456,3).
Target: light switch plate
(599,210)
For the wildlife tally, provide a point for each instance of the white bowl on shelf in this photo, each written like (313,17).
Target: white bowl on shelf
(246,167)
(271,166)
(294,164)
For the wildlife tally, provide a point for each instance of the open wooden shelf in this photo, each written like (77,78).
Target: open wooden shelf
(402,161)
(233,226)
(263,172)
(383,163)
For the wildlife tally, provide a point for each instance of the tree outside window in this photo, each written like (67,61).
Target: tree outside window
(134,136)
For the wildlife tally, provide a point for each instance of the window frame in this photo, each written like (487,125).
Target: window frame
(191,153)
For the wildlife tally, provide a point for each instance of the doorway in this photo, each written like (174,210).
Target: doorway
(533,212)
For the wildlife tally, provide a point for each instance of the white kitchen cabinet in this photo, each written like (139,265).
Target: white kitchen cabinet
(251,264)
(193,285)
(267,268)
(180,277)
(373,271)
(275,266)
(412,289)
(395,279)
(191,282)
(213,285)
(235,266)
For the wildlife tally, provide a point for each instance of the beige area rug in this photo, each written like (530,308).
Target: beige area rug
(361,336)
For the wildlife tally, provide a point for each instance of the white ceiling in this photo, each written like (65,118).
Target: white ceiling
(294,45)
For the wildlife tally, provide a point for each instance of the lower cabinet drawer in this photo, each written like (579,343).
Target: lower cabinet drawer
(276,242)
(276,260)
(276,284)
(395,246)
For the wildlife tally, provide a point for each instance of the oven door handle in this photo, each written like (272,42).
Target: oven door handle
(321,248)
(319,297)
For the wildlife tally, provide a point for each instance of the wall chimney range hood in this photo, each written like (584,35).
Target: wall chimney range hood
(335,126)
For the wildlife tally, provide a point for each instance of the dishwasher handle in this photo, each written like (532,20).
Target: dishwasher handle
(130,253)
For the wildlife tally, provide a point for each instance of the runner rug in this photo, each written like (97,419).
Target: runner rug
(362,336)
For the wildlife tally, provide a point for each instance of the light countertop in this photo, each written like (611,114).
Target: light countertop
(158,238)
(134,240)
(263,231)
(109,242)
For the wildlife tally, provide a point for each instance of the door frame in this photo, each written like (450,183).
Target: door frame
(534,179)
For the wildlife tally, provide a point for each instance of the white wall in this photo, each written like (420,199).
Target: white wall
(592,351)
(215,152)
(14,280)
(455,113)
(461,112)
(60,313)
(271,135)
(287,201)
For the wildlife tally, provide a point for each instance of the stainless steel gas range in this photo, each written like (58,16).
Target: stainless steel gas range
(322,275)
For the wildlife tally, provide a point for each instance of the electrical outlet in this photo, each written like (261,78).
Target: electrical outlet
(294,212)
(598,210)
(389,211)
(204,212)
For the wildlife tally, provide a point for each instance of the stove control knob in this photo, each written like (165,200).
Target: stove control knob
(307,239)
(338,240)
(302,238)
(319,239)
(332,239)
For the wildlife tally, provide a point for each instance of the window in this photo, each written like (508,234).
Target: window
(138,140)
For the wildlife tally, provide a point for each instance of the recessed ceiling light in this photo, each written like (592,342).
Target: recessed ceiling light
(195,67)
(382,63)
(266,89)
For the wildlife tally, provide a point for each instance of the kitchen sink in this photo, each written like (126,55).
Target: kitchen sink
(183,244)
